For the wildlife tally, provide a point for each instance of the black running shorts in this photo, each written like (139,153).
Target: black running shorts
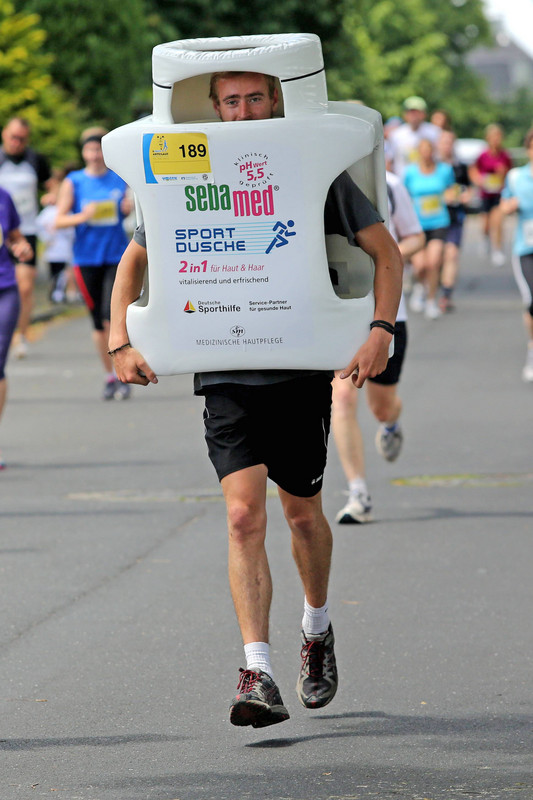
(283,425)
(96,284)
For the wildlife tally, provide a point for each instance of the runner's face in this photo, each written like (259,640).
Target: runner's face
(15,139)
(92,154)
(446,144)
(414,117)
(494,138)
(244,97)
(425,150)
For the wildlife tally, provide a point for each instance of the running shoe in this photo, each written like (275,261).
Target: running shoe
(446,305)
(417,301)
(21,348)
(110,387)
(57,296)
(318,680)
(258,702)
(358,509)
(389,443)
(122,391)
(527,372)
(431,310)
(498,258)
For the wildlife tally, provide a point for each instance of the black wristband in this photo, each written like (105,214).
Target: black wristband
(381,323)
(122,346)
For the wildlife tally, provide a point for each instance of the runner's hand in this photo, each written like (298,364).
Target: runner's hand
(371,358)
(131,367)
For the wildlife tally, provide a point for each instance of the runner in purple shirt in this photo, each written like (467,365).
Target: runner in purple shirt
(13,245)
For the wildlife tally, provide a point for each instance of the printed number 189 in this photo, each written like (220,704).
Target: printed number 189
(193,150)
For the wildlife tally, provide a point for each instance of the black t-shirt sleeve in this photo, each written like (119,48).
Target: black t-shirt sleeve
(38,162)
(347,209)
(42,168)
(461,174)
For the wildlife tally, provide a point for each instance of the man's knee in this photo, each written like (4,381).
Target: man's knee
(246,521)
(381,409)
(303,516)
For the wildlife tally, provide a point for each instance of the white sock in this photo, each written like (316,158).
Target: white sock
(315,620)
(358,485)
(258,657)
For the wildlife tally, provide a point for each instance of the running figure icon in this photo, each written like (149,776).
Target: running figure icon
(280,238)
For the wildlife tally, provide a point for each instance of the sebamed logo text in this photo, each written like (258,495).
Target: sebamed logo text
(244,202)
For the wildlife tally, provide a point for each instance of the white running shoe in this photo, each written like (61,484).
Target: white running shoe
(418,298)
(389,443)
(527,372)
(431,310)
(497,258)
(21,348)
(357,510)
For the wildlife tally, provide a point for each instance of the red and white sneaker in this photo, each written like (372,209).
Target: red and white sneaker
(258,702)
(318,680)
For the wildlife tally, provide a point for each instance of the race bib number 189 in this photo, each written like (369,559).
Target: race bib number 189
(176,158)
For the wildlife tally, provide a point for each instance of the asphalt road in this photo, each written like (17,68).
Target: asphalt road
(119,648)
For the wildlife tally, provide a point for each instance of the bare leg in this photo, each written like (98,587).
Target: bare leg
(418,260)
(384,402)
(495,227)
(434,252)
(528,323)
(312,544)
(346,430)
(249,572)
(450,265)
(26,282)
(3,394)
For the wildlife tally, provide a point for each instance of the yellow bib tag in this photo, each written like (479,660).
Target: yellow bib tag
(431,204)
(171,157)
(492,182)
(106,213)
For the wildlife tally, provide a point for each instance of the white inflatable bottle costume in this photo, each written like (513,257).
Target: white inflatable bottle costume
(238,272)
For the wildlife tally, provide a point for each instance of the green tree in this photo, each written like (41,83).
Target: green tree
(101,51)
(28,89)
(202,18)
(378,51)
(516,116)
(411,47)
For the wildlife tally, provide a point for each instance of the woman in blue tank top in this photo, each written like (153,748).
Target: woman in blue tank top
(517,197)
(428,183)
(93,200)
